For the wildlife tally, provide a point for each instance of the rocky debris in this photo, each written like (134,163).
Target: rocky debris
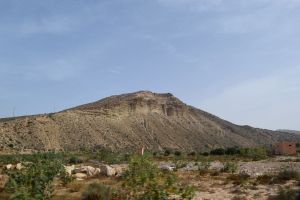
(69,169)
(80,176)
(191,166)
(120,169)
(9,166)
(216,165)
(258,168)
(168,166)
(19,166)
(88,170)
(107,170)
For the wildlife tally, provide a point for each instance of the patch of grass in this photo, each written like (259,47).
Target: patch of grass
(97,191)
(229,167)
(265,179)
(238,179)
(17,158)
(110,157)
(75,186)
(203,168)
(287,175)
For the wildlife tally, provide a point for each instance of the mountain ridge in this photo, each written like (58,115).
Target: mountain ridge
(129,121)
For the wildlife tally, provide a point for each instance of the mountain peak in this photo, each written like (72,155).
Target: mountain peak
(134,102)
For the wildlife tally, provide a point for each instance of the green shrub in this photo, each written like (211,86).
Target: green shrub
(205,154)
(167,152)
(17,158)
(219,151)
(34,180)
(229,167)
(286,175)
(144,181)
(97,191)
(193,153)
(110,157)
(265,179)
(232,151)
(254,153)
(177,153)
(286,194)
(75,160)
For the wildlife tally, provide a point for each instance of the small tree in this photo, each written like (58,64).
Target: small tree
(219,151)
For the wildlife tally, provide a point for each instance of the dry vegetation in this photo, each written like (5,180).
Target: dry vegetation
(160,175)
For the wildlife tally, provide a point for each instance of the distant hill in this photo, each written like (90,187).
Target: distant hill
(289,131)
(130,121)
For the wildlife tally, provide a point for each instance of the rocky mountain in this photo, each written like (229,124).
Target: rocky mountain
(128,122)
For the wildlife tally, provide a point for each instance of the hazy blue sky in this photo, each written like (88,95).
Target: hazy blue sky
(238,59)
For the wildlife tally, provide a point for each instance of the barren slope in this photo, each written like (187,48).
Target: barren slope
(130,121)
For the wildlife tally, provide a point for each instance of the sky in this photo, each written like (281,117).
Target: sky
(236,59)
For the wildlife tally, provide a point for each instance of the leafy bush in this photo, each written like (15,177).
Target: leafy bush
(97,191)
(34,180)
(230,167)
(143,180)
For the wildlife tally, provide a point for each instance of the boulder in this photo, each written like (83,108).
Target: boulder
(80,176)
(107,170)
(19,166)
(9,166)
(167,166)
(120,169)
(191,166)
(88,170)
(216,165)
(69,169)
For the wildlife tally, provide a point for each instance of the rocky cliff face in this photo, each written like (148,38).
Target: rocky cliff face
(130,121)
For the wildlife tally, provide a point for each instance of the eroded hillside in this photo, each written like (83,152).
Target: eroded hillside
(130,121)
